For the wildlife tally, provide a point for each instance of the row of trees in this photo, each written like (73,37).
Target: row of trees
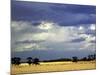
(30,60)
(33,61)
(75,59)
(88,58)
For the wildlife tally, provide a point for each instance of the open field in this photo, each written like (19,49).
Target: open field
(52,66)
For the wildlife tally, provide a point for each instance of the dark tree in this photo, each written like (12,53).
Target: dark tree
(16,61)
(29,60)
(74,59)
(90,57)
(94,56)
(84,59)
(36,61)
(13,60)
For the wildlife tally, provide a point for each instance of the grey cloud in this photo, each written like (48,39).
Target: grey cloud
(93,41)
(29,41)
(30,37)
(78,40)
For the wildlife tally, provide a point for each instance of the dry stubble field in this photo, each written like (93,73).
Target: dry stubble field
(52,67)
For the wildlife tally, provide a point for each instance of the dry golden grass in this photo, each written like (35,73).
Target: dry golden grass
(52,66)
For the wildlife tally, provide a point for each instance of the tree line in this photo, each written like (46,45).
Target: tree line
(30,61)
(36,61)
(88,58)
(75,59)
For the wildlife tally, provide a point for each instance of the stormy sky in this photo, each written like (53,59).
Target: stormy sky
(52,30)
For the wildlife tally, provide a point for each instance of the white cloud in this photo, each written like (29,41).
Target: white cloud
(92,27)
(53,36)
(46,25)
(81,27)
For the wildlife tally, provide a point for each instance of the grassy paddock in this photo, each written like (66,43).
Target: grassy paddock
(52,67)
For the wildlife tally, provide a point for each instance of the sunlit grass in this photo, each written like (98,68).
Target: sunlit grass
(52,66)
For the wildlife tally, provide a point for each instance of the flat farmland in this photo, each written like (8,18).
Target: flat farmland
(52,67)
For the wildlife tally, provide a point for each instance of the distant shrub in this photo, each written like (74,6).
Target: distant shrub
(74,59)
(36,61)
(29,60)
(16,60)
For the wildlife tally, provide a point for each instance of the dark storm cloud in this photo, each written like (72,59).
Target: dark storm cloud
(36,23)
(64,14)
(93,41)
(29,41)
(74,8)
(78,40)
(91,32)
